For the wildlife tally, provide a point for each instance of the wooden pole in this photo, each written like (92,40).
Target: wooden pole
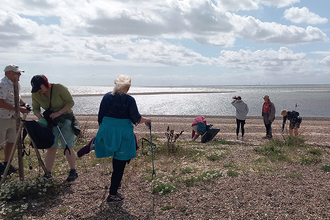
(18,130)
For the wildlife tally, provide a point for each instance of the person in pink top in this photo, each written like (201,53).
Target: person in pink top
(195,133)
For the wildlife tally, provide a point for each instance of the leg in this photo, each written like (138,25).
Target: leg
(7,150)
(242,127)
(266,123)
(117,175)
(296,132)
(237,127)
(195,136)
(71,158)
(8,136)
(270,130)
(50,158)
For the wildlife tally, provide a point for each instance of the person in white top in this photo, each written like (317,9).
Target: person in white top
(7,112)
(241,111)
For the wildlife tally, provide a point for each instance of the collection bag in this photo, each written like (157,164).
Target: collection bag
(41,135)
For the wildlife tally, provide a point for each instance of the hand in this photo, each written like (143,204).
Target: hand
(24,110)
(234,97)
(54,115)
(148,122)
(282,129)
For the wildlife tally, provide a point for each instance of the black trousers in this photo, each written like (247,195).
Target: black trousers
(117,175)
(269,129)
(240,123)
(268,125)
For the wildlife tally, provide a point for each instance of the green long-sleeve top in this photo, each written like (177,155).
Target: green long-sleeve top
(60,98)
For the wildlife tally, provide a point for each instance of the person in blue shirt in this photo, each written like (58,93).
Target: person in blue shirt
(117,116)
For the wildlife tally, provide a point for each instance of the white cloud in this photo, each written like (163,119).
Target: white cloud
(173,35)
(164,53)
(303,15)
(279,3)
(245,5)
(266,32)
(14,29)
(282,61)
(326,61)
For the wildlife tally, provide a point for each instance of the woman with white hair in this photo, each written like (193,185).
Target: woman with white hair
(117,114)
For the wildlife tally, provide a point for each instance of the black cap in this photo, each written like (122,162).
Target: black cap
(36,82)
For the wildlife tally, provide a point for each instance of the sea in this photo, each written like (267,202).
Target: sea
(308,100)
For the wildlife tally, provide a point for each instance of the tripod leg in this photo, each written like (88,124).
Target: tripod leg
(41,163)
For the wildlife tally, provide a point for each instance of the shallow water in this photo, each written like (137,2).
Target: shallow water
(311,100)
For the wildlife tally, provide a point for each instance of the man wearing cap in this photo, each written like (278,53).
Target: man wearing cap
(268,114)
(7,112)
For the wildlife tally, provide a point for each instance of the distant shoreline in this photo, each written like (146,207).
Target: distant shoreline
(146,93)
(218,116)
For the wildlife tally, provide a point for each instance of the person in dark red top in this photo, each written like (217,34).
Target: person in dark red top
(268,114)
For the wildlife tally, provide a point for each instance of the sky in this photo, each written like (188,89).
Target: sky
(168,42)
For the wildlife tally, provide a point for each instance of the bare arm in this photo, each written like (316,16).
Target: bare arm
(6,105)
(60,112)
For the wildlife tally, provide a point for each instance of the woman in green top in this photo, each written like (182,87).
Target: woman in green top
(58,98)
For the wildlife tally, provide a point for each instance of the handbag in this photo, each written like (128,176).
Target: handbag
(49,111)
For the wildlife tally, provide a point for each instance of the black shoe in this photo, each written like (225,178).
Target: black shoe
(72,176)
(47,175)
(117,198)
(2,169)
(10,170)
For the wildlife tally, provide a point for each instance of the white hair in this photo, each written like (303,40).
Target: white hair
(122,83)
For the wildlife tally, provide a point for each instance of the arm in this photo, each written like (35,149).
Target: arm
(6,105)
(102,109)
(284,121)
(68,101)
(272,112)
(60,112)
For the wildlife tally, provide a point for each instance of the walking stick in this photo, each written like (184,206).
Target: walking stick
(153,169)
(152,153)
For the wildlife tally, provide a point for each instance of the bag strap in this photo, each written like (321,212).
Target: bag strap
(50,97)
(199,121)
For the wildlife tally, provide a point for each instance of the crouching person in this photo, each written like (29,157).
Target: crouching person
(117,116)
(294,119)
(57,99)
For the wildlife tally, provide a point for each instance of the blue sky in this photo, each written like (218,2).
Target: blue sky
(168,43)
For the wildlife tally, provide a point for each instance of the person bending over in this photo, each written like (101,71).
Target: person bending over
(195,133)
(58,98)
(294,119)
